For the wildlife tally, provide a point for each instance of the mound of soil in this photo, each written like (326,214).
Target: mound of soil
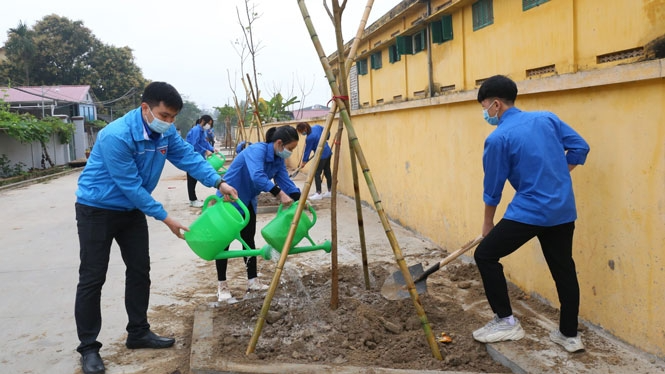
(365,330)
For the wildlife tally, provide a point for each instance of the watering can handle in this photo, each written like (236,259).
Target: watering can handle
(311,209)
(220,200)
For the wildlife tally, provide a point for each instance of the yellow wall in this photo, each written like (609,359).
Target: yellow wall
(425,154)
(426,163)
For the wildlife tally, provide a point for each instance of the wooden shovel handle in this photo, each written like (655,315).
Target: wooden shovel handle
(449,258)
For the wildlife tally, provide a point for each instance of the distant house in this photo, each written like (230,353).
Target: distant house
(42,101)
(313,111)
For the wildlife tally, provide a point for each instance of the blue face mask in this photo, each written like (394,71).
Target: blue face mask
(284,153)
(491,120)
(157,125)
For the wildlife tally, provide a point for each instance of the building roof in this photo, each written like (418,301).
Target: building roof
(313,111)
(33,94)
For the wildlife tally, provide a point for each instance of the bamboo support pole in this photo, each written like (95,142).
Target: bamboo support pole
(255,113)
(343,74)
(255,99)
(289,238)
(355,143)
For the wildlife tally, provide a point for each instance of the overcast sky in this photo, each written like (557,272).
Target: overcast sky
(190,44)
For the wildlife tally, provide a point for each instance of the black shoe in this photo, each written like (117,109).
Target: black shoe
(92,363)
(149,340)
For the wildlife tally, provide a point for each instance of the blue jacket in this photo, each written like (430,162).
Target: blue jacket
(312,142)
(196,136)
(253,170)
(532,150)
(126,164)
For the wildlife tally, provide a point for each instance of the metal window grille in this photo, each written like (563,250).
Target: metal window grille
(620,55)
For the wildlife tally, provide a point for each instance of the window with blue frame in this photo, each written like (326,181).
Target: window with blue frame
(528,4)
(483,14)
(361,65)
(442,30)
(376,60)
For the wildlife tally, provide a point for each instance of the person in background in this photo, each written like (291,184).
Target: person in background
(313,134)
(112,201)
(242,145)
(535,152)
(197,138)
(210,134)
(259,168)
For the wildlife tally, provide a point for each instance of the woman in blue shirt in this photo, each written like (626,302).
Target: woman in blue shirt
(197,138)
(259,168)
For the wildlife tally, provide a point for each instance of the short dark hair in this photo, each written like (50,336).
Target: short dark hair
(158,92)
(498,86)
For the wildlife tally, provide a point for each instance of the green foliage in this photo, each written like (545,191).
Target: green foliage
(58,51)
(7,170)
(276,108)
(187,117)
(27,129)
(225,112)
(97,123)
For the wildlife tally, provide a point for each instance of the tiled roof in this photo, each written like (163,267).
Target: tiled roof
(32,94)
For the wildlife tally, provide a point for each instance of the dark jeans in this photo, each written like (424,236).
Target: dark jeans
(96,230)
(191,187)
(557,246)
(324,167)
(247,234)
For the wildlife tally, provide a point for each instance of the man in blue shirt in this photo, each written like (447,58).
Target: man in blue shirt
(113,199)
(535,152)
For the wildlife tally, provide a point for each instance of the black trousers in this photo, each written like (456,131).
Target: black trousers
(191,187)
(323,168)
(97,228)
(557,246)
(247,234)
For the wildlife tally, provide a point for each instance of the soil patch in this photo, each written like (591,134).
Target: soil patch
(366,329)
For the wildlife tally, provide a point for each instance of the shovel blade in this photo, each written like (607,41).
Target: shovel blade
(394,288)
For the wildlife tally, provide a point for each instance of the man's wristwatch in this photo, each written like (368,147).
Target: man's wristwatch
(219,183)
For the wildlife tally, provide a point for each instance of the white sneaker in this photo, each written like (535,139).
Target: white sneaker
(327,194)
(255,284)
(498,330)
(573,344)
(223,293)
(316,196)
(196,203)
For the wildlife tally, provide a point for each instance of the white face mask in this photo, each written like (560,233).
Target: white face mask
(206,127)
(157,125)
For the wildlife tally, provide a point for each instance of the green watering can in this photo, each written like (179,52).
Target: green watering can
(217,160)
(276,231)
(216,228)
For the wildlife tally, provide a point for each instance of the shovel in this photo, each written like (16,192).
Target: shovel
(295,172)
(394,288)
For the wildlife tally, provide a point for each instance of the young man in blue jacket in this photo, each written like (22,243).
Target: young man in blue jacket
(535,152)
(113,199)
